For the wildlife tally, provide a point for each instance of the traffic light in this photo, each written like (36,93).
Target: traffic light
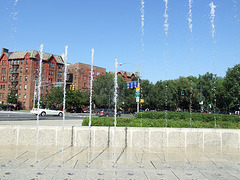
(71,87)
(183,92)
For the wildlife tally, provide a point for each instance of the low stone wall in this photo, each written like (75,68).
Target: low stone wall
(125,137)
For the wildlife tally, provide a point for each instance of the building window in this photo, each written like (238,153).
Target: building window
(98,73)
(25,86)
(19,95)
(9,78)
(26,69)
(20,79)
(47,88)
(24,96)
(4,70)
(75,69)
(20,86)
(85,78)
(81,70)
(37,61)
(21,61)
(26,61)
(59,74)
(20,70)
(2,95)
(25,78)
(75,77)
(43,70)
(37,70)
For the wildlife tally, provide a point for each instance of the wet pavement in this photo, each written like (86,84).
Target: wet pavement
(51,162)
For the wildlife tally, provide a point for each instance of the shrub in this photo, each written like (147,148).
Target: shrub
(174,120)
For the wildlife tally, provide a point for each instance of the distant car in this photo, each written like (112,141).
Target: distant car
(44,112)
(106,113)
(8,108)
(77,110)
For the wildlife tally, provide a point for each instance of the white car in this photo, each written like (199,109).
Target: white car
(44,112)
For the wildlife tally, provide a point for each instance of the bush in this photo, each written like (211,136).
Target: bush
(174,120)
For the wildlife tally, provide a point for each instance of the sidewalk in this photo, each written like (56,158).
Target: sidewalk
(110,163)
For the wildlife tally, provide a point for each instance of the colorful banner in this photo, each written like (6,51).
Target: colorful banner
(132,85)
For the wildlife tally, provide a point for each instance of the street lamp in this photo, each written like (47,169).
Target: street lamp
(137,76)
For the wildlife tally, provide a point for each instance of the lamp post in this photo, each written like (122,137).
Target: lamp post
(138,80)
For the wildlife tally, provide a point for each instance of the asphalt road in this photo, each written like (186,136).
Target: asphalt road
(26,116)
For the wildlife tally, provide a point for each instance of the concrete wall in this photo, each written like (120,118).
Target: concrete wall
(125,137)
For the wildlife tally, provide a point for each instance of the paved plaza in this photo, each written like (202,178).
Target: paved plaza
(51,162)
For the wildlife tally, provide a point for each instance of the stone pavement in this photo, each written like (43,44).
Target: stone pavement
(52,162)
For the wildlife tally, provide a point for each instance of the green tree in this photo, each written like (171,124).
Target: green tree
(74,99)
(12,98)
(103,94)
(231,83)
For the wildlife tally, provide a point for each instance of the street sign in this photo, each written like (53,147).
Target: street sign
(138,92)
(57,85)
(132,85)
(137,99)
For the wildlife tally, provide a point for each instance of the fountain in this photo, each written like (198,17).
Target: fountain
(166,25)
(115,110)
(64,99)
(212,18)
(168,134)
(38,103)
(90,114)
(191,40)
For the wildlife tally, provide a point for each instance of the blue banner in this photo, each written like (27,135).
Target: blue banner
(132,85)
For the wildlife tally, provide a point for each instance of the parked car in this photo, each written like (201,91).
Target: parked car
(44,112)
(77,110)
(8,108)
(106,113)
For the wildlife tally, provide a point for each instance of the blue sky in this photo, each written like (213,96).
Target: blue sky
(113,29)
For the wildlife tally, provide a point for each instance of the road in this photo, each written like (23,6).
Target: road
(25,118)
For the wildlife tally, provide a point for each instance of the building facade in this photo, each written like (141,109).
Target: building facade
(81,75)
(19,73)
(127,76)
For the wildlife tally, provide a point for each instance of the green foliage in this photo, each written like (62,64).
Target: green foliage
(103,94)
(174,120)
(12,98)
(74,99)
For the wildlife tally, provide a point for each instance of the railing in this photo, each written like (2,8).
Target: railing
(14,63)
(14,72)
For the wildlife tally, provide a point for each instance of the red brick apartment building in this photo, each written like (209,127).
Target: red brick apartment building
(19,71)
(81,75)
(127,76)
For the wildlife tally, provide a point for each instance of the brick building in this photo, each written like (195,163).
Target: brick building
(81,75)
(127,76)
(19,73)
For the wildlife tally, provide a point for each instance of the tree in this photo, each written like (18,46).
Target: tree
(74,99)
(103,91)
(147,94)
(231,83)
(12,98)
